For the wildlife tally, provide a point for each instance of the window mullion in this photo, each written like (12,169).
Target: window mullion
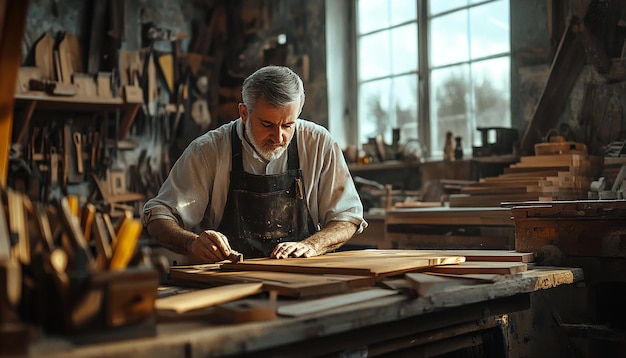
(423,73)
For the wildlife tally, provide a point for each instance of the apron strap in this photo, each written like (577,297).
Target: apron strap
(293,159)
(236,151)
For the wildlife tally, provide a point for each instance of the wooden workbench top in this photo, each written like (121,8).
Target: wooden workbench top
(207,338)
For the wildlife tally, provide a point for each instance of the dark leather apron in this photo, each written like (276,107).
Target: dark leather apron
(264,210)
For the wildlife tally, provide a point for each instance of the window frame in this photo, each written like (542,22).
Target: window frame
(424,71)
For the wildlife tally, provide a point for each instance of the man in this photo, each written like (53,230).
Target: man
(266,185)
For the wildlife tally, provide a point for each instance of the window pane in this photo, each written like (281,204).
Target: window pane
(374,56)
(438,6)
(374,102)
(405,108)
(489,29)
(448,39)
(404,44)
(403,11)
(372,15)
(491,88)
(449,109)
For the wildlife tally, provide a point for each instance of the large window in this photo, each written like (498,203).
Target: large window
(387,68)
(465,67)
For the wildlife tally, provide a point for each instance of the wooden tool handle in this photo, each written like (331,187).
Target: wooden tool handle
(78,144)
(126,243)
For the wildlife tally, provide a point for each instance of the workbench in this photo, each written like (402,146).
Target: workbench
(449,228)
(491,317)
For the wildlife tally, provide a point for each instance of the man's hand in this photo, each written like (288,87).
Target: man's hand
(293,249)
(210,246)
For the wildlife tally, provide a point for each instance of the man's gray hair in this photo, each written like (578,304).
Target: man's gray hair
(278,85)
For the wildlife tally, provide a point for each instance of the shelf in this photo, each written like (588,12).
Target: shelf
(32,101)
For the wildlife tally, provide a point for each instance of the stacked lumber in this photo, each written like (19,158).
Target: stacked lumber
(534,178)
(335,280)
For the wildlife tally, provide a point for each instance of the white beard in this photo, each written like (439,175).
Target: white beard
(267,154)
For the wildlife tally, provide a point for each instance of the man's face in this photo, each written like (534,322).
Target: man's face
(269,128)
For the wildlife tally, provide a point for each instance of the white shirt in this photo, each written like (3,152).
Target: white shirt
(197,187)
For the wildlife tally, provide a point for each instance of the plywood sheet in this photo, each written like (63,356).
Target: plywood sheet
(358,262)
(284,283)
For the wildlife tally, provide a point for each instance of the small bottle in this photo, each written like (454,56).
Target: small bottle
(448,148)
(458,150)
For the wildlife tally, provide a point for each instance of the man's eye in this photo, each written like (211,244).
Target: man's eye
(267,125)
(287,126)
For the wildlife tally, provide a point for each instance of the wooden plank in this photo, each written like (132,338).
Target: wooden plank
(457,200)
(542,161)
(358,262)
(542,171)
(418,204)
(484,277)
(425,284)
(499,183)
(508,180)
(284,283)
(450,216)
(488,255)
(494,190)
(481,267)
(322,304)
(184,302)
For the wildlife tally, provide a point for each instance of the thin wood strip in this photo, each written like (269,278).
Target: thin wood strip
(488,255)
(184,302)
(481,267)
(322,304)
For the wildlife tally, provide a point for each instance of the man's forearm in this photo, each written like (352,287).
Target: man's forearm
(332,236)
(170,235)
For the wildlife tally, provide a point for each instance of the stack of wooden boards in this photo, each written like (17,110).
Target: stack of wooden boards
(534,178)
(341,277)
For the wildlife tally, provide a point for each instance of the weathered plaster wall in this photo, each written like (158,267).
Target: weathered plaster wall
(593,110)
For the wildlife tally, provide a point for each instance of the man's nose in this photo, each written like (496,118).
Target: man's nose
(277,134)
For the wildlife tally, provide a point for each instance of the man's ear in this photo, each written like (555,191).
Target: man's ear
(243,112)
